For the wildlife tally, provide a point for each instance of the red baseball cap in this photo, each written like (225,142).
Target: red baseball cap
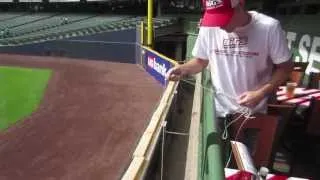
(218,13)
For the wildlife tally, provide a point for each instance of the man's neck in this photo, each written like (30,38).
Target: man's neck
(245,19)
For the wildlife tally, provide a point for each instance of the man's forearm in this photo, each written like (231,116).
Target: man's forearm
(194,66)
(280,76)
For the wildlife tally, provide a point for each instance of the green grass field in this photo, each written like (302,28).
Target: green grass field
(21,91)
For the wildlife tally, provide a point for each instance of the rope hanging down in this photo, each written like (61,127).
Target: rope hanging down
(241,110)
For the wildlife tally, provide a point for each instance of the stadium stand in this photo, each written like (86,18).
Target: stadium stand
(11,15)
(21,20)
(43,27)
(46,23)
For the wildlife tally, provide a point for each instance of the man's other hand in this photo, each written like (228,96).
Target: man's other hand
(250,98)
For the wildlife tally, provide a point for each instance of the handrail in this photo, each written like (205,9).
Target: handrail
(145,149)
(147,143)
(192,159)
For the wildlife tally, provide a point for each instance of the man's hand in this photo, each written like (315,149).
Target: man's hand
(250,98)
(280,75)
(175,74)
(191,67)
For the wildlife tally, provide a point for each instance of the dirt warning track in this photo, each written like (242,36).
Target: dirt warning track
(87,125)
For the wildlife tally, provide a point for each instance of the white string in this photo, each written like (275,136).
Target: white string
(247,116)
(162,147)
(242,111)
(177,133)
(194,84)
(164,131)
(164,125)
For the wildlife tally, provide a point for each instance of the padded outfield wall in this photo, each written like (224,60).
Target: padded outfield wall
(116,46)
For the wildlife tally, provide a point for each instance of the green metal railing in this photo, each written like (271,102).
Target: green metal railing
(210,161)
(210,164)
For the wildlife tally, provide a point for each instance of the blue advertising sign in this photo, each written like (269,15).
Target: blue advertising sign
(157,66)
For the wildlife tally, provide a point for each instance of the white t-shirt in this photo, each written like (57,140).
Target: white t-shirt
(242,60)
